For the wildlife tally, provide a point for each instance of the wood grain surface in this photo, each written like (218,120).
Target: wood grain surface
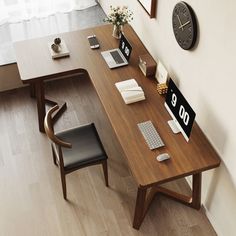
(30,189)
(186,158)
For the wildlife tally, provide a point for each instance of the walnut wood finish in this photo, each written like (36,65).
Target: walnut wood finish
(43,101)
(187,159)
(31,195)
(144,200)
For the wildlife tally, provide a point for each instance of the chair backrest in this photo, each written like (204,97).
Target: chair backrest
(56,143)
(49,130)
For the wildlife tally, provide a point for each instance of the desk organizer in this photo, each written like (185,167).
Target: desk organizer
(147,65)
(162,88)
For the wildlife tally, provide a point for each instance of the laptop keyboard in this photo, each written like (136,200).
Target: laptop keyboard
(116,56)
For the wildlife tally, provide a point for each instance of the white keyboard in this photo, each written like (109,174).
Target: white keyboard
(150,135)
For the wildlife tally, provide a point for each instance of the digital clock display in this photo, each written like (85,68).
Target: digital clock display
(180,108)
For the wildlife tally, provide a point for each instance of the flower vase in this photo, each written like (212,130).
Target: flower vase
(117,31)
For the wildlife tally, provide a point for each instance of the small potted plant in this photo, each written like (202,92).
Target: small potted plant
(119,16)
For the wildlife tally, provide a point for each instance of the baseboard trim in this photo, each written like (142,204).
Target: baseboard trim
(205,210)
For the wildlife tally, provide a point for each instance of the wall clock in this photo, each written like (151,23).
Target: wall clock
(184,25)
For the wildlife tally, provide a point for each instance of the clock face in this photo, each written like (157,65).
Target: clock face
(184,25)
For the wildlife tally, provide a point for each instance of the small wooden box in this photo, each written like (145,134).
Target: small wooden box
(147,65)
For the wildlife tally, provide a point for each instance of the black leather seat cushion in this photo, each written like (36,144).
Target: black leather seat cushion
(86,146)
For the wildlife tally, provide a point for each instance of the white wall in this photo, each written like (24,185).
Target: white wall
(207,79)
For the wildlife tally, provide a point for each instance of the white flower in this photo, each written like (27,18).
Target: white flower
(119,15)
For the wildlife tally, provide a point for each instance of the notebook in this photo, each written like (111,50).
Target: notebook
(119,56)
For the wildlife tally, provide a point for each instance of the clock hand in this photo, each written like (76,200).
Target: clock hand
(182,26)
(180,23)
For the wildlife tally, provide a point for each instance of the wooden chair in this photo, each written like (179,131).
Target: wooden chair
(75,148)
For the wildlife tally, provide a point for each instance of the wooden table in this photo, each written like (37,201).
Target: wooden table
(187,159)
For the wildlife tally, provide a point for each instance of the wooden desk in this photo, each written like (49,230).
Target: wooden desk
(186,158)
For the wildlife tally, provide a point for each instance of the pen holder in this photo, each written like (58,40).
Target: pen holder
(162,88)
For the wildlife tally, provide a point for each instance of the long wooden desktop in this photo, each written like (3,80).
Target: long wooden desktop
(192,158)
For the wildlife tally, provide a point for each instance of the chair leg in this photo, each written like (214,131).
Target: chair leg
(105,171)
(63,182)
(54,156)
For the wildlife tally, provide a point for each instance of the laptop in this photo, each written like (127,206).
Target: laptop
(119,56)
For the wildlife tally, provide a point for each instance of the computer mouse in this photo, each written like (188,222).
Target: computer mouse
(163,156)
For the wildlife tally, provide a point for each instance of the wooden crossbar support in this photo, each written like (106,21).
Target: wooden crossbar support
(144,198)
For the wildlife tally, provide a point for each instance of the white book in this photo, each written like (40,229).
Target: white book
(128,101)
(126,84)
(162,73)
(130,91)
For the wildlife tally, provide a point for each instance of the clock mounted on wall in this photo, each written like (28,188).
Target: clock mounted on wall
(184,25)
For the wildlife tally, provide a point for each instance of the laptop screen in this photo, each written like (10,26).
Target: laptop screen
(125,47)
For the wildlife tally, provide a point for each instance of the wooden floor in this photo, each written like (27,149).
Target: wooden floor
(31,201)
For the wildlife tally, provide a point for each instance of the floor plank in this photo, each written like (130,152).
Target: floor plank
(31,200)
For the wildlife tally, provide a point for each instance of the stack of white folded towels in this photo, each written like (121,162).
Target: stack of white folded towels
(130,91)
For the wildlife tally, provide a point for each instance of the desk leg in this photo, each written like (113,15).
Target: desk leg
(144,200)
(61,104)
(39,91)
(196,192)
(32,90)
(193,201)
(139,207)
